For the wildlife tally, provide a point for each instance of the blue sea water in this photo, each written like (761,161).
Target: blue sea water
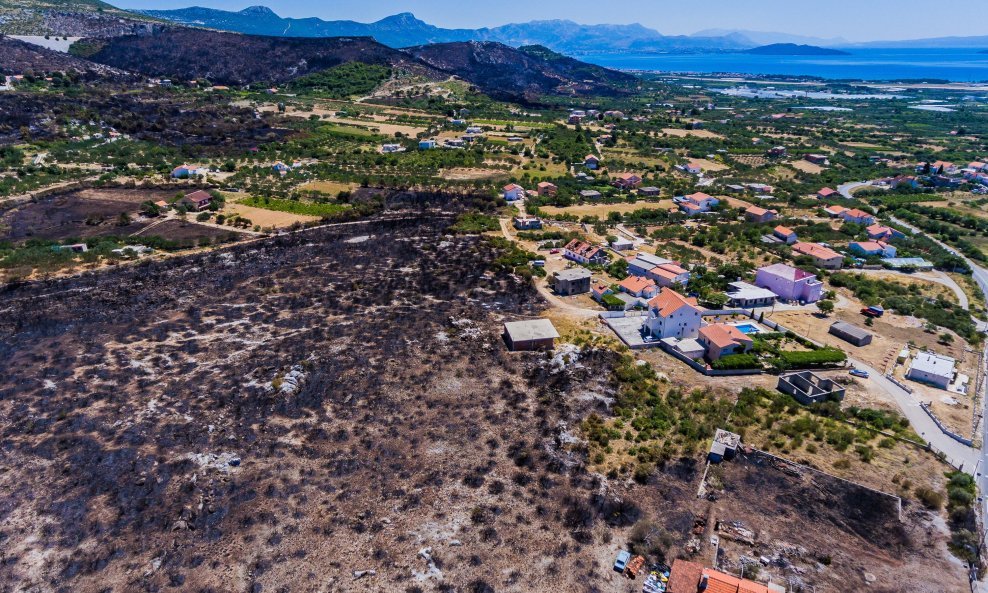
(959,65)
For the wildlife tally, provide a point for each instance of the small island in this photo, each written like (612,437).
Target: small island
(792,49)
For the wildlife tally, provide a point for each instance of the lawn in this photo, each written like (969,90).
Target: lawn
(296,207)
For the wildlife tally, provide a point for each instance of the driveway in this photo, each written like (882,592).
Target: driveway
(847,190)
(960,455)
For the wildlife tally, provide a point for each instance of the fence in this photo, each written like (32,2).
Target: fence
(617,314)
(703,368)
(944,429)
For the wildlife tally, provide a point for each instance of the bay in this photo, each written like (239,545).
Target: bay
(956,65)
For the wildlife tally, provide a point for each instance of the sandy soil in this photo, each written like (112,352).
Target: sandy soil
(807,167)
(266,218)
(679,133)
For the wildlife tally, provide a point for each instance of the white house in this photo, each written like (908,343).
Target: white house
(427,144)
(747,296)
(932,369)
(671,315)
(513,192)
(185,171)
(856,216)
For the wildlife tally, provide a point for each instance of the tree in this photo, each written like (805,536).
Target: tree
(826,306)
(150,209)
(946,339)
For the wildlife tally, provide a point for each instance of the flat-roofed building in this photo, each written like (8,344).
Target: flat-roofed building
(746,296)
(850,333)
(536,334)
(571,281)
(932,369)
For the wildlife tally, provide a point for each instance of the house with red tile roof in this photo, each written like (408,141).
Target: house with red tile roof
(672,315)
(872,248)
(669,274)
(513,192)
(697,203)
(834,211)
(758,214)
(198,200)
(547,189)
(857,216)
(825,193)
(692,577)
(585,253)
(823,257)
(693,168)
(786,234)
(879,232)
(626,181)
(721,339)
(639,286)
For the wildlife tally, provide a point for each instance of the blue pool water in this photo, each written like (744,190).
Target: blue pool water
(748,328)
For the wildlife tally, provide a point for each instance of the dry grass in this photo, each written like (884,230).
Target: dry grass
(602,210)
(807,167)
(266,218)
(680,133)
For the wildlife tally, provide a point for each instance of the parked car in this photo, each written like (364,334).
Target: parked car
(554,251)
(621,562)
(860,373)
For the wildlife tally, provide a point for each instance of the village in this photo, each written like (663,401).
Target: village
(714,343)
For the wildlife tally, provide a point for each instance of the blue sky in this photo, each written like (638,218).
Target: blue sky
(856,20)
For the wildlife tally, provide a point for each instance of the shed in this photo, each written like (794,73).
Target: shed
(850,333)
(535,334)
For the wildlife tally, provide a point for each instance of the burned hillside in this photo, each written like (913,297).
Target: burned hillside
(286,414)
(198,124)
(813,531)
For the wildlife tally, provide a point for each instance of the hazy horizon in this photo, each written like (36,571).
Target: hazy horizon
(878,20)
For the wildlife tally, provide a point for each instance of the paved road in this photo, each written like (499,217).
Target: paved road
(960,455)
(934,276)
(847,189)
(980,276)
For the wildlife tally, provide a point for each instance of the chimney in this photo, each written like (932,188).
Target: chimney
(702,585)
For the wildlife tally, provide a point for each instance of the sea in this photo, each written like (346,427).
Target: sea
(955,65)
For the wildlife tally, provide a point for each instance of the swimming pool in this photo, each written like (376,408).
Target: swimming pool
(748,328)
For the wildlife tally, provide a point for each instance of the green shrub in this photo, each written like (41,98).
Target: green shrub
(736,362)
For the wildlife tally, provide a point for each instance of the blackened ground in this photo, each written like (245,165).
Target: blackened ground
(277,415)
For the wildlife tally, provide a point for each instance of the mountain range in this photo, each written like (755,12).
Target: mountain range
(404,30)
(568,37)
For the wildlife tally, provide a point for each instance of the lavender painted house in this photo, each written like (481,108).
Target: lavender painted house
(791,284)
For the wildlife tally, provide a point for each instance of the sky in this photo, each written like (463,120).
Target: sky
(854,20)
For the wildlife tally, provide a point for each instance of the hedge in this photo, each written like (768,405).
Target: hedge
(815,358)
(733,362)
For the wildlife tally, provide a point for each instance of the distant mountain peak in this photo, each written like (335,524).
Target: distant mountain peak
(402,19)
(259,11)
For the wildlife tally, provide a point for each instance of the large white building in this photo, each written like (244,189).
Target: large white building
(932,369)
(671,315)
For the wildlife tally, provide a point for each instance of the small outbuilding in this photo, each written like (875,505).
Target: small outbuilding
(850,333)
(535,334)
